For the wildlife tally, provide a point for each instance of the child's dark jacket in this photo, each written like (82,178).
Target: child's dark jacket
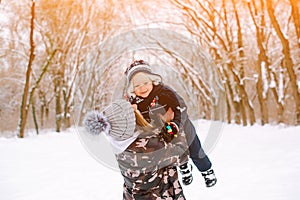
(164,97)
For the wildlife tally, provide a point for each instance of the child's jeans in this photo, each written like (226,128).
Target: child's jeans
(197,154)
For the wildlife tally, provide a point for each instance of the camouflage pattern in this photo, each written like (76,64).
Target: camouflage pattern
(148,166)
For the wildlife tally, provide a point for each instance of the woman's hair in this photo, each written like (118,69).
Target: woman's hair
(140,120)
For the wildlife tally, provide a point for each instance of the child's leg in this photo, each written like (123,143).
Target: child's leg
(197,154)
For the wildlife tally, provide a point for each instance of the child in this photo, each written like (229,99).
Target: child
(146,90)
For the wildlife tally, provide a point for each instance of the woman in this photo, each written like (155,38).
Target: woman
(147,163)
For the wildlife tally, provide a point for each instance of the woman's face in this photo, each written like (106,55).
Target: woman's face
(142,85)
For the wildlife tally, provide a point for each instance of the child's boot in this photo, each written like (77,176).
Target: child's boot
(209,177)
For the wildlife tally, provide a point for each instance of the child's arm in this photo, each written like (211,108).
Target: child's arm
(177,104)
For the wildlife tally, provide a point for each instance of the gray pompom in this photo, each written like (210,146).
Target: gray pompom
(96,122)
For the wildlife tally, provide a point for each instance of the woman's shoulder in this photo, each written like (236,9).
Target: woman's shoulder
(147,141)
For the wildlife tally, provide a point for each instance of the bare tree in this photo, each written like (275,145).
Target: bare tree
(25,103)
(72,39)
(218,27)
(207,21)
(287,62)
(240,77)
(264,64)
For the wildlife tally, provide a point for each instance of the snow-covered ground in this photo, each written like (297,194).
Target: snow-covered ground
(251,163)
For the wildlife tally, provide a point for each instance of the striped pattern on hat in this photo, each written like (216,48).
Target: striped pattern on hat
(121,118)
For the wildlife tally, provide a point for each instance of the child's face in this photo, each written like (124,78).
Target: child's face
(142,85)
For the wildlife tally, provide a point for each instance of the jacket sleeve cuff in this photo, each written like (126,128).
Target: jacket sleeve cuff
(175,125)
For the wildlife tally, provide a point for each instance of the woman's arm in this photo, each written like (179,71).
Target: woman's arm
(176,152)
(150,153)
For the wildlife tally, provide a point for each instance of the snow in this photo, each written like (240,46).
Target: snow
(252,162)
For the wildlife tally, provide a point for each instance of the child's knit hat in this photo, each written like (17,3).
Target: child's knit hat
(117,120)
(137,67)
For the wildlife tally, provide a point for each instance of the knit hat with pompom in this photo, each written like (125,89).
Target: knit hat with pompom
(138,66)
(116,120)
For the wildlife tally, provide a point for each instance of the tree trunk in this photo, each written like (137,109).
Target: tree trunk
(262,99)
(235,101)
(24,103)
(262,62)
(240,80)
(87,92)
(34,117)
(58,106)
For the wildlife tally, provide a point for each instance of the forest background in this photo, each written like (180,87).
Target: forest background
(236,61)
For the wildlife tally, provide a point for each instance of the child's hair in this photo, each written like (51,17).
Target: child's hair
(140,120)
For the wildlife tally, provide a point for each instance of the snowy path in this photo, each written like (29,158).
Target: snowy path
(251,163)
